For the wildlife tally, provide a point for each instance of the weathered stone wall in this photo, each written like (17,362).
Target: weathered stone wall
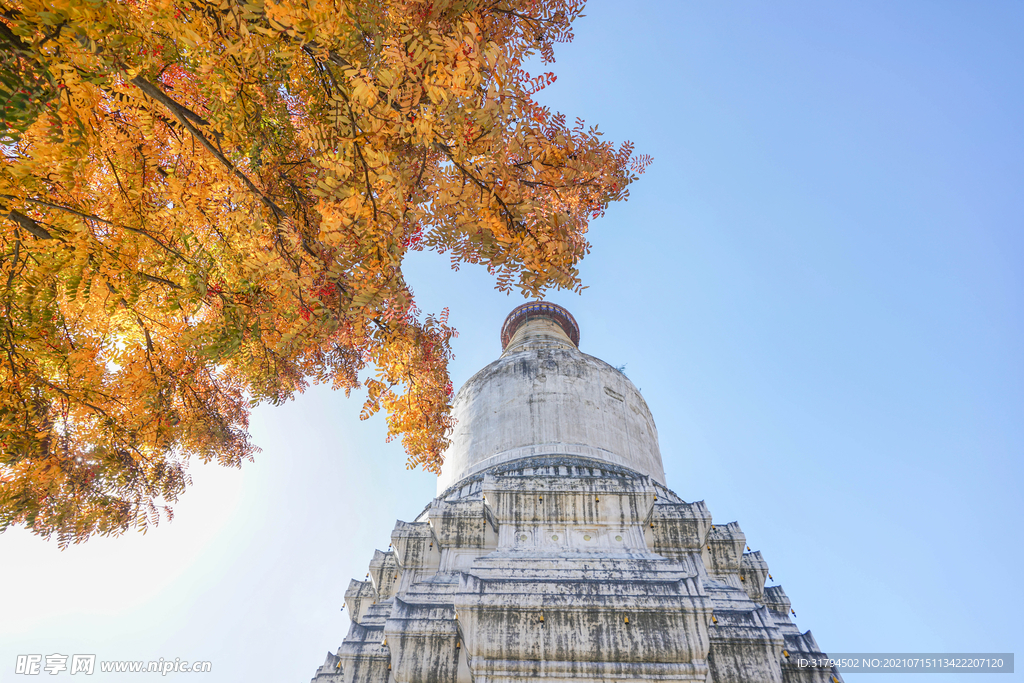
(568,569)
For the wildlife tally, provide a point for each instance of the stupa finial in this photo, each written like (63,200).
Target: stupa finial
(539,309)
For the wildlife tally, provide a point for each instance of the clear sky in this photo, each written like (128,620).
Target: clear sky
(818,287)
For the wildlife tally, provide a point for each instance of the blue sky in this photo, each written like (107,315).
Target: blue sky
(818,287)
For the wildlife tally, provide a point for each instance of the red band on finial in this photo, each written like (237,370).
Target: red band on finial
(539,309)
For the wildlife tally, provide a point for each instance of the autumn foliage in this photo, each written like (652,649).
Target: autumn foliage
(206,205)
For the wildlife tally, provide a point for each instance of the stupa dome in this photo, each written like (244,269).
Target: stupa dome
(544,397)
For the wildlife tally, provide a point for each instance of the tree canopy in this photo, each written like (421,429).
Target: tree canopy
(205,205)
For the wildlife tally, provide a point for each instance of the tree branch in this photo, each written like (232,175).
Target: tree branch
(159,280)
(514,225)
(93,217)
(59,207)
(30,225)
(186,117)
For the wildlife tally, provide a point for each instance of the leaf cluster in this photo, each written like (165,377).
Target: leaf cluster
(206,204)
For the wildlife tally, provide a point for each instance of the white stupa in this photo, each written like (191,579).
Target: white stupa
(554,550)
